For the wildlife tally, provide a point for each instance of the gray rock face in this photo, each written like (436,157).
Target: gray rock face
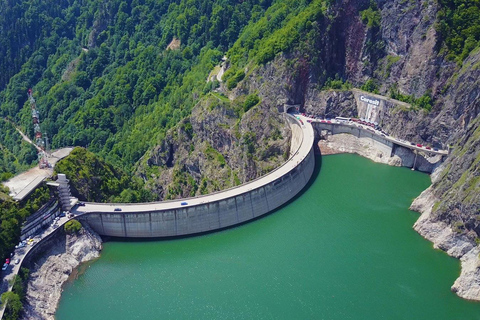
(54,268)
(456,243)
(220,146)
(217,147)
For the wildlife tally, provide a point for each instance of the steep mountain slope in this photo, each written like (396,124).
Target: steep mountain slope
(106,78)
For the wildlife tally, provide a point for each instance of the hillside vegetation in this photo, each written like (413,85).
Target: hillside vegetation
(91,179)
(105,79)
(16,155)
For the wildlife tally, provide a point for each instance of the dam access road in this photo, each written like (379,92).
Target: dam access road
(214,211)
(193,215)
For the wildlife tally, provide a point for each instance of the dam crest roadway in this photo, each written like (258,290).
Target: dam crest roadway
(221,209)
(213,211)
(235,205)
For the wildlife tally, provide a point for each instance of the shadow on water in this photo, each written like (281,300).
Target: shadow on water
(313,178)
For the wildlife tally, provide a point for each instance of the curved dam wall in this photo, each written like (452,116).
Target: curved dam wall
(210,212)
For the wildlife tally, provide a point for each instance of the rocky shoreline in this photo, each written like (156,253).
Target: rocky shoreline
(54,267)
(458,245)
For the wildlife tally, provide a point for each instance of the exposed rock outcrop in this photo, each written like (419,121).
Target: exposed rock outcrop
(456,243)
(54,267)
(219,146)
(365,147)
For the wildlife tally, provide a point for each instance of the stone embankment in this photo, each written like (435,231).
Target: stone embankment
(456,244)
(54,267)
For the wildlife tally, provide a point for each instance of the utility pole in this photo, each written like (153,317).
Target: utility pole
(42,157)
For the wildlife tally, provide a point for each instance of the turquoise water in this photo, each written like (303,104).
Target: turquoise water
(344,249)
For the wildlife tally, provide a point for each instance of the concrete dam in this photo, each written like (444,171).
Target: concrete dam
(214,211)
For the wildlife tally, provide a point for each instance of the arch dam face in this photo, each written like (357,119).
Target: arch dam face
(214,211)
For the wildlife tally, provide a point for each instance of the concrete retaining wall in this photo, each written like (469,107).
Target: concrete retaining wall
(213,215)
(368,137)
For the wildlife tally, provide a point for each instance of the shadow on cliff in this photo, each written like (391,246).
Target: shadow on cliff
(54,245)
(316,171)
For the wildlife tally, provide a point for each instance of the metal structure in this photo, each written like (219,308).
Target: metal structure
(42,155)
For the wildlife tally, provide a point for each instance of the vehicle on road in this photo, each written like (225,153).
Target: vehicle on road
(117,209)
(428,148)
(435,149)
(81,204)
(419,145)
(20,245)
(184,203)
(62,214)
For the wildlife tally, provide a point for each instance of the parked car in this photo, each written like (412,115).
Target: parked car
(117,209)
(7,261)
(428,148)
(5,266)
(435,149)
(81,204)
(17,261)
(419,145)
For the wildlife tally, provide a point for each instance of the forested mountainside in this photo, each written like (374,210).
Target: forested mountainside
(15,153)
(139,83)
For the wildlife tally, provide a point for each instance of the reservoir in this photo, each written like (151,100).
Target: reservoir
(343,249)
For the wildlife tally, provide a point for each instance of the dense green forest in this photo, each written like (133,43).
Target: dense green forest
(106,81)
(12,215)
(91,179)
(16,155)
(459,26)
(104,78)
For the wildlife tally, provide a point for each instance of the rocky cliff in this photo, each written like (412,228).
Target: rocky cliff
(391,47)
(225,142)
(54,267)
(400,55)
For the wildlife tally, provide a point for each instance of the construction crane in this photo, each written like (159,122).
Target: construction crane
(42,155)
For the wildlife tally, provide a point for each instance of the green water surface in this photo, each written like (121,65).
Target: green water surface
(344,249)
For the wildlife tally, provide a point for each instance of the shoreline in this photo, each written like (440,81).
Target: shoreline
(457,245)
(61,263)
(55,267)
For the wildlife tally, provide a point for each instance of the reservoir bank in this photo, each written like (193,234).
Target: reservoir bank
(343,249)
